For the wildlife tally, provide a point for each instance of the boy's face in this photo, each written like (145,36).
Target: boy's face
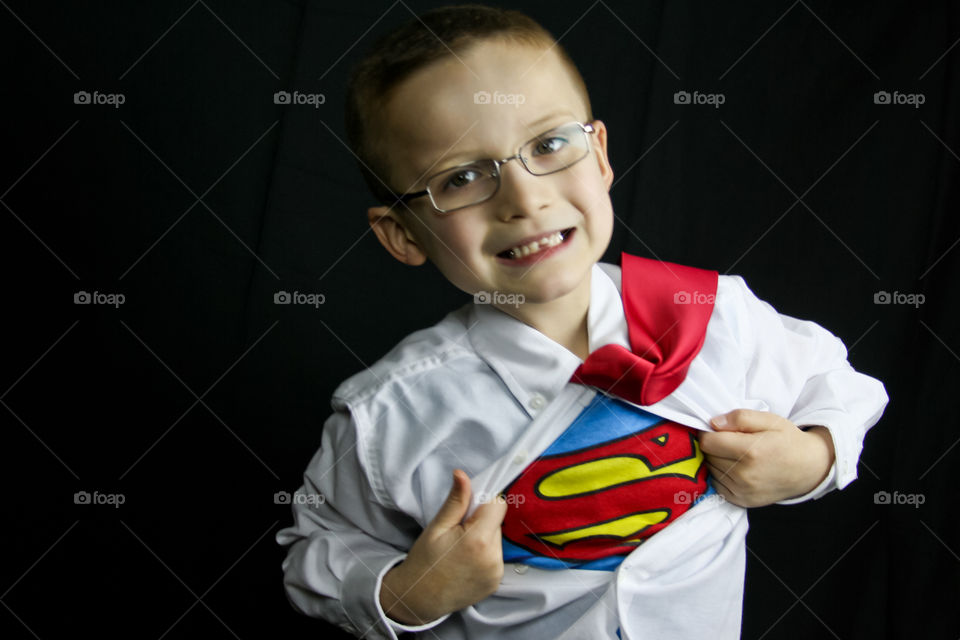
(434,123)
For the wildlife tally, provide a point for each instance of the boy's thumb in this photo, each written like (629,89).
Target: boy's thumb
(456,504)
(720,422)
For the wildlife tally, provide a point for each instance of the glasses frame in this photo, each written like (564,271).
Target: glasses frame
(404,198)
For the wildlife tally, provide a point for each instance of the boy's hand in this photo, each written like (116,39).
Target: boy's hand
(452,564)
(757,458)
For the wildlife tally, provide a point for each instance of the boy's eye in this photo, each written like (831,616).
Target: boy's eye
(461,179)
(550,145)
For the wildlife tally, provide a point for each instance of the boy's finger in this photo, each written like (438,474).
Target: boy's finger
(488,517)
(729,444)
(748,420)
(456,504)
(722,486)
(722,472)
(720,466)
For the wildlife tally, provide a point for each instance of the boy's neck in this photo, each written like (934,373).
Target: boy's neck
(563,320)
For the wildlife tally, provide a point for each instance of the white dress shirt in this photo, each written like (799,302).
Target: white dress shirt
(486,393)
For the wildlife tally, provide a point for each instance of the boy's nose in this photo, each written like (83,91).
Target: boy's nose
(521,193)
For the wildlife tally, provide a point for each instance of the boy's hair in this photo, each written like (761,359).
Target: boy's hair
(433,35)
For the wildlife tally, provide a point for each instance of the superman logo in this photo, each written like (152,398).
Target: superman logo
(615,477)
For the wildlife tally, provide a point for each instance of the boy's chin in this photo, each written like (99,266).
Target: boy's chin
(552,289)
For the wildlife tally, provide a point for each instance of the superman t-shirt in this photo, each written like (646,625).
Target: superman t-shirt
(617,475)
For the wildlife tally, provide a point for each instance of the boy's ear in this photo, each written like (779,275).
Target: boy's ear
(601,150)
(394,236)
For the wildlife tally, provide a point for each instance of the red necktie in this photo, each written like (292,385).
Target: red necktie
(667,308)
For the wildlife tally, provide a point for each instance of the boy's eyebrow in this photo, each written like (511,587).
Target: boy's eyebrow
(536,123)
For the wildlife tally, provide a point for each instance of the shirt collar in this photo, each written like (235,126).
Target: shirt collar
(532,366)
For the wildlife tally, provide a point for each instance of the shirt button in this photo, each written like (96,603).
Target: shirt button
(537,401)
(520,568)
(520,458)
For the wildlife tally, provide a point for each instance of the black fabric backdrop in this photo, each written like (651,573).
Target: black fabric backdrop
(197,399)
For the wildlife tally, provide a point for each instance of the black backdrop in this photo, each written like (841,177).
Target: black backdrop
(197,399)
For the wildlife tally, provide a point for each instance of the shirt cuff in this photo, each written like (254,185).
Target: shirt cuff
(361,600)
(397,626)
(846,450)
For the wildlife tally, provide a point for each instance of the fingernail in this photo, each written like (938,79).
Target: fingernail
(720,421)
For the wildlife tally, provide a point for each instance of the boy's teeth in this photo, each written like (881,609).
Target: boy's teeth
(524,250)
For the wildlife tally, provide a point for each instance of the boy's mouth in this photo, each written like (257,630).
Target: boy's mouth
(536,246)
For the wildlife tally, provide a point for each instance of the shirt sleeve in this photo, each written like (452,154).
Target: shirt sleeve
(343,540)
(805,368)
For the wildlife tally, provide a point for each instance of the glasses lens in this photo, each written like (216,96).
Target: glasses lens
(463,186)
(556,149)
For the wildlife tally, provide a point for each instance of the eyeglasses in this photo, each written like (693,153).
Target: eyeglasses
(475,182)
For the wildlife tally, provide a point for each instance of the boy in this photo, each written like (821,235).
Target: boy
(580,392)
